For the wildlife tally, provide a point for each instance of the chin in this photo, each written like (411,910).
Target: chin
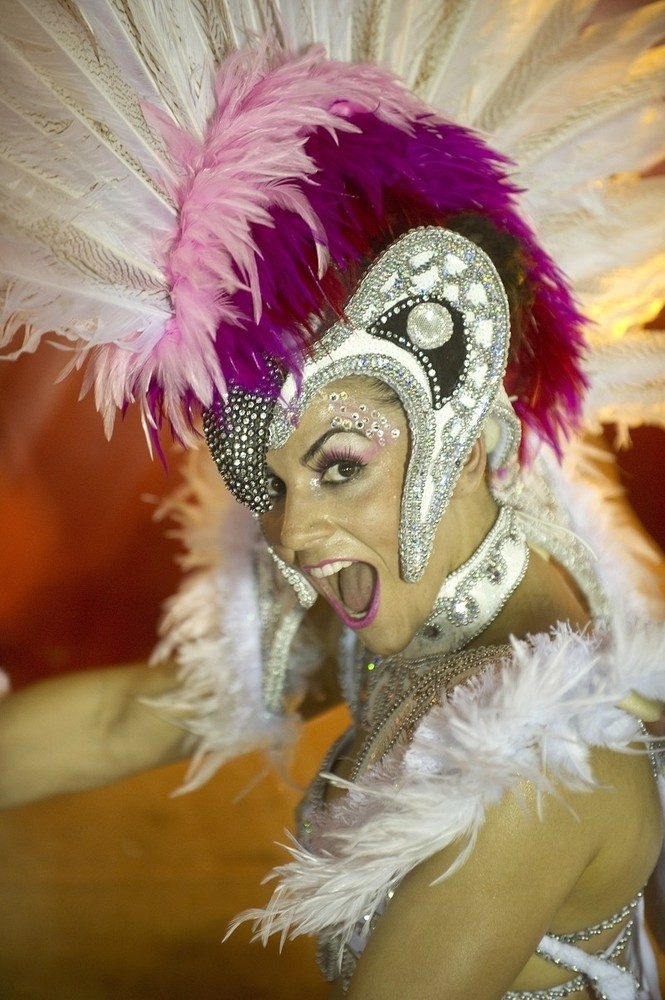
(379,643)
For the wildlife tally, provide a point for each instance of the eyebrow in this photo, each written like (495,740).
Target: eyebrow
(318,445)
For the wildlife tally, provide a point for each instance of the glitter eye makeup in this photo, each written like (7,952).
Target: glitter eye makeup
(360,417)
(339,464)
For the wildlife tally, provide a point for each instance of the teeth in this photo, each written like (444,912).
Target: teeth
(319,572)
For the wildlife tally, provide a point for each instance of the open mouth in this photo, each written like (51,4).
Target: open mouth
(351,587)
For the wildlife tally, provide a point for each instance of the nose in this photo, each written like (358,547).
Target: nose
(303,521)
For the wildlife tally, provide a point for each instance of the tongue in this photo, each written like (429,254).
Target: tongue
(356,587)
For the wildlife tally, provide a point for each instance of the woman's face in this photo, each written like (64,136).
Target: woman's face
(337,487)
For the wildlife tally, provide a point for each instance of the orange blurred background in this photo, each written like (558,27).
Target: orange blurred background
(84,565)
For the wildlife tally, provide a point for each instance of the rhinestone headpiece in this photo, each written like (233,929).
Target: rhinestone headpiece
(430,319)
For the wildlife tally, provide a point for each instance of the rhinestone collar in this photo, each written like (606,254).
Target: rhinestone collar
(474,594)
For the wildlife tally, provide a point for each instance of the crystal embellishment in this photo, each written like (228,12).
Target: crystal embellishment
(429,314)
(474,594)
(237,436)
(429,325)
(462,610)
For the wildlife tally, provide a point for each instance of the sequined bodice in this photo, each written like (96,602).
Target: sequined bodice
(389,700)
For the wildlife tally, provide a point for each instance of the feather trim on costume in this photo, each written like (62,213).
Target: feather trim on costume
(212,627)
(627,380)
(628,563)
(221,627)
(535,717)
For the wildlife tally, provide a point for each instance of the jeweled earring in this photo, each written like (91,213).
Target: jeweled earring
(305,592)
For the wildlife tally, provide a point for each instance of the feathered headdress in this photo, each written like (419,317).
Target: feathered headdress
(183,262)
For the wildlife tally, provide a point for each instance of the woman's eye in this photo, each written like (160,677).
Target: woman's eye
(340,472)
(275,487)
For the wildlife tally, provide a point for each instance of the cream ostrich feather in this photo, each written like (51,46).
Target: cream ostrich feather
(85,179)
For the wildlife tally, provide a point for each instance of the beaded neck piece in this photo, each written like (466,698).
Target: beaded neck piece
(469,600)
(474,594)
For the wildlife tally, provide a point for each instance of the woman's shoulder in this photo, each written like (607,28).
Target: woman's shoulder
(537,719)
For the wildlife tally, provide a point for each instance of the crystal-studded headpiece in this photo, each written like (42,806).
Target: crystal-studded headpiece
(431,320)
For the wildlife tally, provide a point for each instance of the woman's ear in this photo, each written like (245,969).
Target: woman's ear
(473,471)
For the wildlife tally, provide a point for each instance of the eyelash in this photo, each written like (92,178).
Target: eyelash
(329,459)
(274,491)
(334,456)
(326,460)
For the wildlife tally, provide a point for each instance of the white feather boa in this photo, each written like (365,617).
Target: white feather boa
(212,628)
(535,716)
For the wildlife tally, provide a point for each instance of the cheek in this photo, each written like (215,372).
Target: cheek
(374,515)
(387,488)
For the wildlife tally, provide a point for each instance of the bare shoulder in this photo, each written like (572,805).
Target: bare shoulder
(625,811)
(542,862)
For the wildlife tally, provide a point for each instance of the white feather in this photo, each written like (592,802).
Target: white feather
(535,718)
(164,48)
(76,82)
(565,65)
(529,41)
(627,383)
(212,626)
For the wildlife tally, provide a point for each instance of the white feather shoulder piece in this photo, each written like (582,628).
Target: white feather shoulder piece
(535,716)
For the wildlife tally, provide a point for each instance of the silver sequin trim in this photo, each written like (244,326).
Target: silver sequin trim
(474,594)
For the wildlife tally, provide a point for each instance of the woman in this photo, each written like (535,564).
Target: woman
(343,280)
(339,497)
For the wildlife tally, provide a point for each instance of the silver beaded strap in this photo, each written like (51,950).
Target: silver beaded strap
(656,751)
(565,990)
(604,925)
(582,979)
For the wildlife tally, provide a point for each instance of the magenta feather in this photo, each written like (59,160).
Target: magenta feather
(302,164)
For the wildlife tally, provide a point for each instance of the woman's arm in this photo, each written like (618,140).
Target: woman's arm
(85,729)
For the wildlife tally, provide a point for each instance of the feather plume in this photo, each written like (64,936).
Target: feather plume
(210,627)
(243,202)
(97,243)
(628,564)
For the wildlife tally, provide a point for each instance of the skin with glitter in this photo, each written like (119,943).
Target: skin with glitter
(365,417)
